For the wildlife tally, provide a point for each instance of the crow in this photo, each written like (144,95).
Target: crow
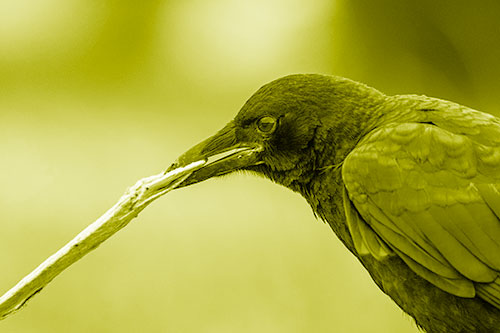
(410,184)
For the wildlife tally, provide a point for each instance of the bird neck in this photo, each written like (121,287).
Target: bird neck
(318,178)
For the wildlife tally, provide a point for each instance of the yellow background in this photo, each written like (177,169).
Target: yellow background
(97,94)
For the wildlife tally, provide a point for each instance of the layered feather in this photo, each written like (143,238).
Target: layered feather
(429,192)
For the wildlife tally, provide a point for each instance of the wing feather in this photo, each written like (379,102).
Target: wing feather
(432,196)
(459,287)
(364,239)
(400,242)
(353,221)
(490,292)
(466,233)
(376,246)
(455,252)
(491,196)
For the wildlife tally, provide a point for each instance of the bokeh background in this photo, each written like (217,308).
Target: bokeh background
(97,94)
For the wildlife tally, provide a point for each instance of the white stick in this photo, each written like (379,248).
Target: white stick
(129,206)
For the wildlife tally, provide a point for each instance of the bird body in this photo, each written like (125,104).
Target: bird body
(410,184)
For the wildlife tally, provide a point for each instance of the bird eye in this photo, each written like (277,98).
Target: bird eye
(266,124)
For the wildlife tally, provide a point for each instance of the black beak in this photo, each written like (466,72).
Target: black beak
(222,153)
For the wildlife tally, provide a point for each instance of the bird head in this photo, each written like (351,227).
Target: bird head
(282,130)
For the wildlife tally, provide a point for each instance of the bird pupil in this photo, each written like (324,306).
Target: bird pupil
(266,124)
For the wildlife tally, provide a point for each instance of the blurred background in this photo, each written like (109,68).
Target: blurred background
(97,94)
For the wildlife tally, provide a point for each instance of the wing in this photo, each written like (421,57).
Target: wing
(430,193)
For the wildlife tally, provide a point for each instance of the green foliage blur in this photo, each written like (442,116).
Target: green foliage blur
(97,94)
